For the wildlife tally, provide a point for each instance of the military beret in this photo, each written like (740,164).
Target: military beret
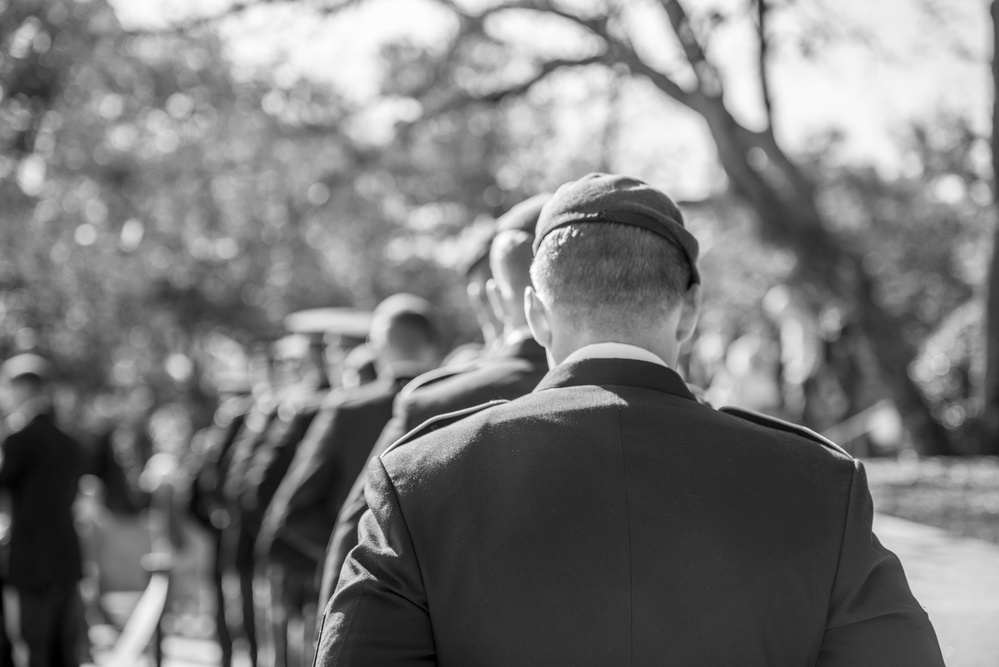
(620,199)
(26,364)
(524,216)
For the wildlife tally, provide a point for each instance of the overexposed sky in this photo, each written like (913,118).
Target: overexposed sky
(877,65)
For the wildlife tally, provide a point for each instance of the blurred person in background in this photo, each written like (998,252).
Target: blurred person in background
(296,527)
(359,367)
(477,275)
(40,467)
(266,466)
(512,370)
(236,548)
(280,594)
(205,504)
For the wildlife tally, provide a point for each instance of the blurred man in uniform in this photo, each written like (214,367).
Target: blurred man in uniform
(299,520)
(40,468)
(608,517)
(236,545)
(206,504)
(477,274)
(279,594)
(511,371)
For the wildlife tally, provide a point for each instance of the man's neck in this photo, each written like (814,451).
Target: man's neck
(613,350)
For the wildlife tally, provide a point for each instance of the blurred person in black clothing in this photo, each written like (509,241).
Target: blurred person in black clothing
(266,467)
(511,370)
(235,545)
(40,469)
(299,519)
(206,504)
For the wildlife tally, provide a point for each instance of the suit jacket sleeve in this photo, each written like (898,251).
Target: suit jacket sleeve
(873,618)
(344,535)
(312,495)
(379,614)
(306,457)
(12,453)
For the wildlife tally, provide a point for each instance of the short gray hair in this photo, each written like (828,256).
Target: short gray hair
(607,273)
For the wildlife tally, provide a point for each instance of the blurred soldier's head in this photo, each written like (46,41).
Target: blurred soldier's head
(404,336)
(358,367)
(510,262)
(477,274)
(613,263)
(22,378)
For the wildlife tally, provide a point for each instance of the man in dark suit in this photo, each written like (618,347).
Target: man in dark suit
(40,469)
(608,517)
(206,503)
(511,371)
(279,596)
(299,519)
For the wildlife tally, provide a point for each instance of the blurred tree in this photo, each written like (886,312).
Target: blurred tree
(782,192)
(154,198)
(150,199)
(990,385)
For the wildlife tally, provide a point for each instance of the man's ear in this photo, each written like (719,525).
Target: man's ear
(495,299)
(690,311)
(537,318)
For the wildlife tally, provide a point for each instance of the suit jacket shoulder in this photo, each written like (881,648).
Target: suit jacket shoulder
(440,421)
(437,375)
(767,421)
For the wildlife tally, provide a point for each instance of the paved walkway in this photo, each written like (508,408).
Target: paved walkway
(957,580)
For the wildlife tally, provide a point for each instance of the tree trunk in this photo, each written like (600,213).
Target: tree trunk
(784,199)
(990,408)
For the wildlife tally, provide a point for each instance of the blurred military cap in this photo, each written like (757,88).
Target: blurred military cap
(523,216)
(349,322)
(401,303)
(26,364)
(620,199)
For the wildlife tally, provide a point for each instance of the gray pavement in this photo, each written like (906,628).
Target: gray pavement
(956,580)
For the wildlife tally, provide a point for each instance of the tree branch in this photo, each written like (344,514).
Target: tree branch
(239,7)
(620,52)
(544,70)
(617,52)
(708,80)
(761,32)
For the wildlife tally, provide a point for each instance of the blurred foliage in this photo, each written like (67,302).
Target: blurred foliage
(960,496)
(150,200)
(155,205)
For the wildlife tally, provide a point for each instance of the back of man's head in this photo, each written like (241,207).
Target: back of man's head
(510,259)
(609,274)
(477,274)
(403,332)
(25,376)
(613,259)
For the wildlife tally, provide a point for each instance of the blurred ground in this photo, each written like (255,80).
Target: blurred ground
(940,517)
(960,495)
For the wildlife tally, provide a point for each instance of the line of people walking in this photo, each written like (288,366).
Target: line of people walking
(281,483)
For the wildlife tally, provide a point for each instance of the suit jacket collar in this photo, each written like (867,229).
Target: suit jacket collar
(525,348)
(622,372)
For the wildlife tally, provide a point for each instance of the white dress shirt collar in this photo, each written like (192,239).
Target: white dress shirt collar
(614,351)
